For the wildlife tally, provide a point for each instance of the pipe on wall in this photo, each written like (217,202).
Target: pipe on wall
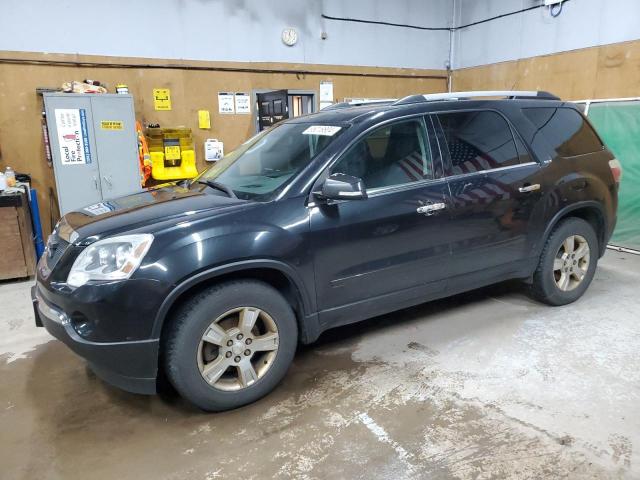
(71,63)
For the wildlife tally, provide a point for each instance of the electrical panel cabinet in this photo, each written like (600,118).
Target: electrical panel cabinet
(94,147)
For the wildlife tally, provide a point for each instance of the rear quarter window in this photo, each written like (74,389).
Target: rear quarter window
(565,130)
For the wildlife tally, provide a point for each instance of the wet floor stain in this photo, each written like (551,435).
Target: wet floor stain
(485,385)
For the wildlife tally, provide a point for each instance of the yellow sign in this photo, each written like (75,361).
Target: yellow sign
(172,152)
(204,119)
(112,125)
(162,99)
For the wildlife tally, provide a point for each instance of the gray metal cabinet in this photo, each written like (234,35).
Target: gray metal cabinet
(94,147)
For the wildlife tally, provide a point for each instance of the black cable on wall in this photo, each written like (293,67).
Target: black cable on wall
(376,22)
(555,12)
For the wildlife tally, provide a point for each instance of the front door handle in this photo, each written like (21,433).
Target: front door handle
(529,188)
(431,208)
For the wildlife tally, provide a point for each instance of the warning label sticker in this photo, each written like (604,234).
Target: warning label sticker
(112,125)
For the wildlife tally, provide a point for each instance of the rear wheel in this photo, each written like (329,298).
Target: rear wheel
(567,264)
(231,344)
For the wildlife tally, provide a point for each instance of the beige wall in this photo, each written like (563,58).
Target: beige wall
(21,143)
(599,72)
(610,71)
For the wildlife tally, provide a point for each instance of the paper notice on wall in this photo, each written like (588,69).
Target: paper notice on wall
(73,136)
(225,103)
(243,103)
(326,91)
(162,99)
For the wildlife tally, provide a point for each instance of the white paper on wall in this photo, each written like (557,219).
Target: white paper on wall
(326,91)
(243,103)
(225,103)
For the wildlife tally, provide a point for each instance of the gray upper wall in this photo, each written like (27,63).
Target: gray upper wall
(582,24)
(249,30)
(232,30)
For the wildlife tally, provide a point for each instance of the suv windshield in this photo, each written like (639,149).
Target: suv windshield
(261,166)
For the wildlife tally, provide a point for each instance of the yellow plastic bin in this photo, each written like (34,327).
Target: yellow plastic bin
(173,156)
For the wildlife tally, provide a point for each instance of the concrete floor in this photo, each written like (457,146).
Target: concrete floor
(484,385)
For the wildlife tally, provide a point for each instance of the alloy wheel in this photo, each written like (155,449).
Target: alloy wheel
(571,263)
(238,348)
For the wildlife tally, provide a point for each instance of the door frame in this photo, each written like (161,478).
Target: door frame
(254,100)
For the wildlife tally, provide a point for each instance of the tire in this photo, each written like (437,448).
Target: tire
(562,286)
(189,356)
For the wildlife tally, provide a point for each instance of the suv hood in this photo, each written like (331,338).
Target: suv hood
(141,210)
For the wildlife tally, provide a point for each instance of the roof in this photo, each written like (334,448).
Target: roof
(342,115)
(359,113)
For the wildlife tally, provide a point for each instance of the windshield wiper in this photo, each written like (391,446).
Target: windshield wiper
(218,186)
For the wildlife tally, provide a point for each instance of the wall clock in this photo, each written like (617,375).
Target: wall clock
(289,36)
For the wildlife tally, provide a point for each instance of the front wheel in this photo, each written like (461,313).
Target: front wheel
(230,345)
(567,264)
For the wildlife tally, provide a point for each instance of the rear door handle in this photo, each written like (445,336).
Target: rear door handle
(431,208)
(529,188)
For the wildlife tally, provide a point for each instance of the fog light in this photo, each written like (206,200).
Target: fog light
(82,325)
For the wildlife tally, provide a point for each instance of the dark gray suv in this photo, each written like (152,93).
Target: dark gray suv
(325,220)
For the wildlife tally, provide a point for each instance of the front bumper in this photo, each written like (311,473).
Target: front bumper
(130,365)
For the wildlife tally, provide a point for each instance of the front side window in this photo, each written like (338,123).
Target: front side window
(391,155)
(477,141)
(262,166)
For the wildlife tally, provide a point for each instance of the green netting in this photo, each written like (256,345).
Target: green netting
(618,123)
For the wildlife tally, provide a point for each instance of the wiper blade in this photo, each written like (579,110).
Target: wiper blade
(218,186)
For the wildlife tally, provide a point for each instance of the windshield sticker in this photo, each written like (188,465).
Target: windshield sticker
(325,130)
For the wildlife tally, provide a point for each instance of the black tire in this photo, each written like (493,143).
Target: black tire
(193,319)
(544,287)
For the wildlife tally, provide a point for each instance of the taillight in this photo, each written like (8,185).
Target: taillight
(616,169)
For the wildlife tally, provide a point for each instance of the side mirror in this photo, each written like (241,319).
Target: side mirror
(340,186)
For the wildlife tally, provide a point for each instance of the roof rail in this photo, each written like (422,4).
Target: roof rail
(511,94)
(358,103)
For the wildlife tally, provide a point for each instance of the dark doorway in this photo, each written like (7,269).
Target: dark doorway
(272,108)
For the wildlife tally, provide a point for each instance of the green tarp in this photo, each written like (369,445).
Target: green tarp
(618,123)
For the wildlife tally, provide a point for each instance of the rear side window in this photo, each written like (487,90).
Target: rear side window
(478,141)
(565,130)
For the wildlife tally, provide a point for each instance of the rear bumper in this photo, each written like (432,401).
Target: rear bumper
(131,366)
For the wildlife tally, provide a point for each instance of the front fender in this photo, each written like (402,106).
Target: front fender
(273,236)
(307,298)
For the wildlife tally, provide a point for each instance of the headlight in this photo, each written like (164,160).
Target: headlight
(113,258)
